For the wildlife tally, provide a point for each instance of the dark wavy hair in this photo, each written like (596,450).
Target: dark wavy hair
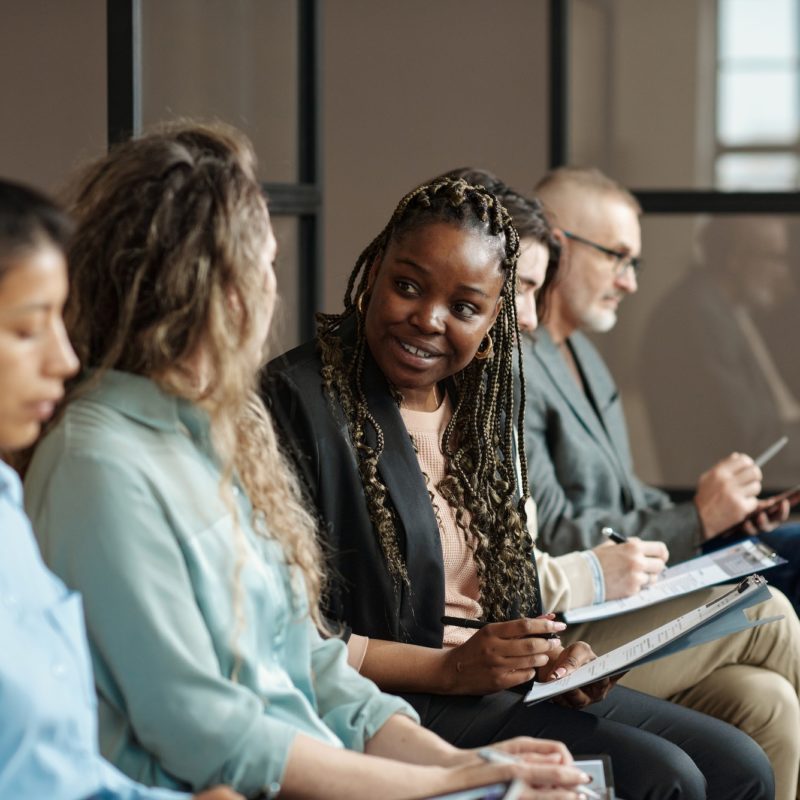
(29,220)
(486,481)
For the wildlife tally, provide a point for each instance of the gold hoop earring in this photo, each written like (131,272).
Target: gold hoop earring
(360,302)
(485,348)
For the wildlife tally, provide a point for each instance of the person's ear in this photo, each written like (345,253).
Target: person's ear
(558,235)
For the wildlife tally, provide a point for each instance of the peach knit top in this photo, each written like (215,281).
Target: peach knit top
(461,588)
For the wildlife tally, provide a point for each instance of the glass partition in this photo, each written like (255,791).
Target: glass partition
(690,94)
(234,60)
(704,353)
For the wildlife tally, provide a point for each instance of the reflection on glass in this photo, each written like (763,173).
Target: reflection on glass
(757,171)
(758,106)
(718,369)
(661,94)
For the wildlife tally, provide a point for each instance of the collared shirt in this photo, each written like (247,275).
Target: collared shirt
(48,710)
(206,661)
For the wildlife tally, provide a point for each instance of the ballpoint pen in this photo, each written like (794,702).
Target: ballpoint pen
(615,536)
(771,451)
(476,624)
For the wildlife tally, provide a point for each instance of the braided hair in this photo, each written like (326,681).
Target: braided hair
(529,218)
(486,481)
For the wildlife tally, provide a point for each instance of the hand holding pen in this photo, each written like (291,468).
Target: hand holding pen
(572,777)
(629,564)
(500,654)
(728,492)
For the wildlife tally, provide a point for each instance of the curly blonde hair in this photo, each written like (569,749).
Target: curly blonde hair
(171,231)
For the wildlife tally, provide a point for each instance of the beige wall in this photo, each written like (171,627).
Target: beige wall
(409,89)
(52,87)
(414,88)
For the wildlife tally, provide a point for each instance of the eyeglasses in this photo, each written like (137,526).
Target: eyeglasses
(623,260)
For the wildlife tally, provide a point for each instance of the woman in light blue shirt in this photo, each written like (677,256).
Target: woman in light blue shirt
(48,709)
(161,494)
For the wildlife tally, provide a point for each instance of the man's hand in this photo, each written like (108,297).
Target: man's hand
(501,655)
(631,566)
(567,660)
(767,516)
(727,493)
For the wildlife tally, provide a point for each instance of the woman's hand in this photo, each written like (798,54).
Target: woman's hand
(566,661)
(500,655)
(535,750)
(219,793)
(547,777)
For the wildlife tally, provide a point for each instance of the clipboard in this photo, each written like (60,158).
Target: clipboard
(493,791)
(721,617)
(720,566)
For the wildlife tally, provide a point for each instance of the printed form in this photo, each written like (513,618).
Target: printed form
(718,618)
(722,565)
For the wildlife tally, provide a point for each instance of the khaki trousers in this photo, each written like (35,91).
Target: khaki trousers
(749,679)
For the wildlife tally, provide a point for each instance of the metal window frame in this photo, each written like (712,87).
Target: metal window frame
(653,201)
(303,199)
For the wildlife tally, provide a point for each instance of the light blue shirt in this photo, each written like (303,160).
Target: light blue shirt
(124,494)
(48,710)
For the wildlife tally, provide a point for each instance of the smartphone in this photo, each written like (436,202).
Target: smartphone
(492,791)
(792,495)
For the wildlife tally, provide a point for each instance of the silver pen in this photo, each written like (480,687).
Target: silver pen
(771,451)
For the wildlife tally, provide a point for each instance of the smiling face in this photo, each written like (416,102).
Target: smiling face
(433,297)
(531,270)
(35,354)
(589,290)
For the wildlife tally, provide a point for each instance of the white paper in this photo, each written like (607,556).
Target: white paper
(665,637)
(739,559)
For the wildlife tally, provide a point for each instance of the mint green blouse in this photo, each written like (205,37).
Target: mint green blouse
(124,496)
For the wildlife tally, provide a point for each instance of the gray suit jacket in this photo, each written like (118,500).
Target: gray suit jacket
(579,461)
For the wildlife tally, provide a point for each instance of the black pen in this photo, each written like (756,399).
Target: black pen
(615,536)
(463,622)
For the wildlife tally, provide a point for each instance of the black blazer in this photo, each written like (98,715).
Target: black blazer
(315,433)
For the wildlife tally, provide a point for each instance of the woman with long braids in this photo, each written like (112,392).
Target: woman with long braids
(401,418)
(161,495)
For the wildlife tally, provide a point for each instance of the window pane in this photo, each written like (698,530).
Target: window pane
(758,171)
(757,29)
(235,60)
(285,331)
(649,102)
(704,353)
(758,107)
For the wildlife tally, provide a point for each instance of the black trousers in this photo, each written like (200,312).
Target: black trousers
(658,749)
